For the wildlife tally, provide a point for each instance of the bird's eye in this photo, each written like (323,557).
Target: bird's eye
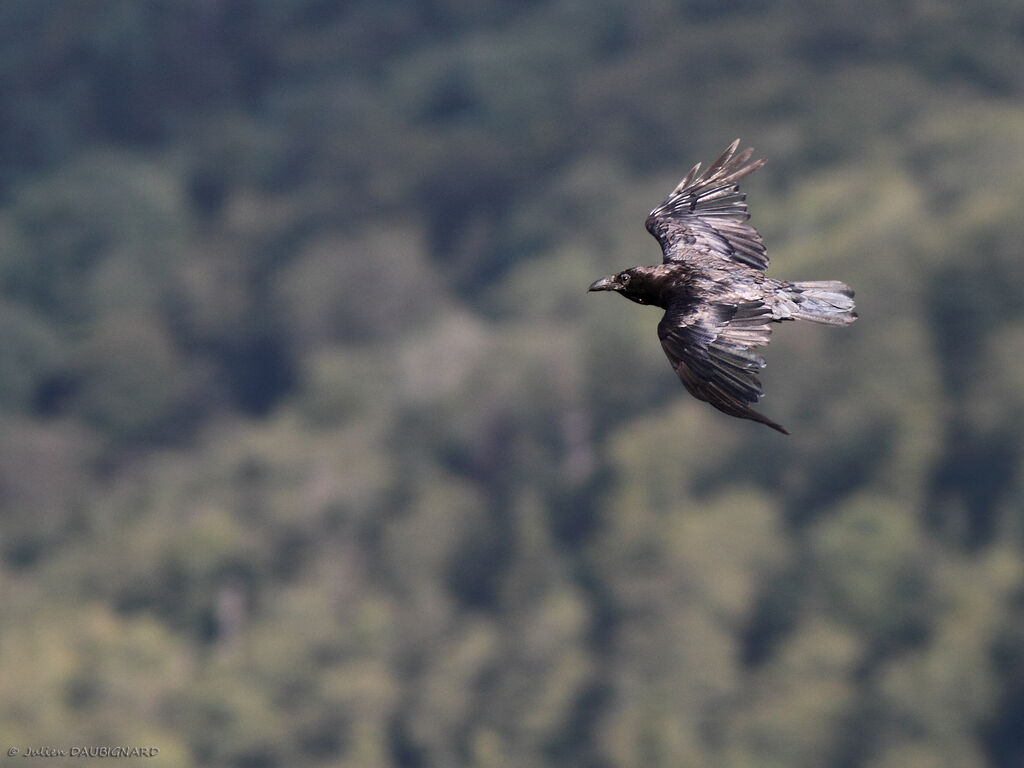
(625,278)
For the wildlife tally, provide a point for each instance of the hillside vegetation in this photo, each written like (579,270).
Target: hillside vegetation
(316,452)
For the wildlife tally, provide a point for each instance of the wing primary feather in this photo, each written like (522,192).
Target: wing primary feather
(722,160)
(686,181)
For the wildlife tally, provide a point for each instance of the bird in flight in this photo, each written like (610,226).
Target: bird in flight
(719,303)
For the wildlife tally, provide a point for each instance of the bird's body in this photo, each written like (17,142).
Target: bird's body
(719,303)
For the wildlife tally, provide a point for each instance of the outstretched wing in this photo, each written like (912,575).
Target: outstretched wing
(706,214)
(711,347)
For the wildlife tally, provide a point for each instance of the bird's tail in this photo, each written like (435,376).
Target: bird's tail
(820,301)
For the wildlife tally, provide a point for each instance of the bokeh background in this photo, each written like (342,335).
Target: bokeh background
(314,451)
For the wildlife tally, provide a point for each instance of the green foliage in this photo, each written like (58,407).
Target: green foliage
(315,451)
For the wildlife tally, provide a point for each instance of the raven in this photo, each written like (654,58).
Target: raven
(718,302)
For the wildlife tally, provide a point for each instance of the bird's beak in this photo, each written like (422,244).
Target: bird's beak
(604,284)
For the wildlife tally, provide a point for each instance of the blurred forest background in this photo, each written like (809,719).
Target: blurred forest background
(315,451)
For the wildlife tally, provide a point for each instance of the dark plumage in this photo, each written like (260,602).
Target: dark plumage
(719,303)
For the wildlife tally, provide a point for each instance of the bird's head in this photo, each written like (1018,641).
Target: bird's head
(617,283)
(631,283)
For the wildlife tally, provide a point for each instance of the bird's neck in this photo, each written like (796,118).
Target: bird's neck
(655,285)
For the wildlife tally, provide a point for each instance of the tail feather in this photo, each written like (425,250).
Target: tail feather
(819,301)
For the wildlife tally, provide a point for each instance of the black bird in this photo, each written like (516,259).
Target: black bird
(719,303)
